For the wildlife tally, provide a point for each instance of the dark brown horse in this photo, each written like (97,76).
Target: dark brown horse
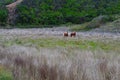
(65,34)
(72,34)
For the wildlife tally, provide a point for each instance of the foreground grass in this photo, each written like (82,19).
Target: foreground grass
(58,58)
(5,74)
(29,63)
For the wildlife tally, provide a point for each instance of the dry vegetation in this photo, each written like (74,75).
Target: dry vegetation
(100,24)
(58,58)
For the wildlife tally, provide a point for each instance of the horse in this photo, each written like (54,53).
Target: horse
(65,34)
(72,34)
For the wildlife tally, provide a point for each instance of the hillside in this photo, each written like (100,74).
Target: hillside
(12,11)
(110,27)
(55,12)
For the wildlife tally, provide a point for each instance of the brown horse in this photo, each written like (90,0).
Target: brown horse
(72,34)
(65,34)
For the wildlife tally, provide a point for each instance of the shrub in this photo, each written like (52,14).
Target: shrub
(3,16)
(54,17)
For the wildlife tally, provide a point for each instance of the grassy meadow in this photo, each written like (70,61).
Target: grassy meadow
(59,58)
(33,45)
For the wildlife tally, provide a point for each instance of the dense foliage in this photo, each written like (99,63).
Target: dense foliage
(55,12)
(3,11)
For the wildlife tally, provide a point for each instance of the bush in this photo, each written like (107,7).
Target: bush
(54,17)
(3,16)
(26,15)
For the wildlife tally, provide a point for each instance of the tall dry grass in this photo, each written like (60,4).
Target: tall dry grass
(29,63)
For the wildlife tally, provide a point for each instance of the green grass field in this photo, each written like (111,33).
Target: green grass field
(85,44)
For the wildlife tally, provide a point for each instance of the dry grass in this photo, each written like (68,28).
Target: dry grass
(50,58)
(30,63)
(111,27)
(81,27)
